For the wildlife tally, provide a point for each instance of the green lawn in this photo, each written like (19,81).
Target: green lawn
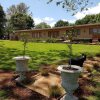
(40,53)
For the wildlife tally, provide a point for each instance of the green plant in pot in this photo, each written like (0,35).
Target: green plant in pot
(22,61)
(70,35)
(24,38)
(70,73)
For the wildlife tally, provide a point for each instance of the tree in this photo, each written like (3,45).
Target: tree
(21,21)
(11,10)
(20,8)
(98,18)
(72,5)
(89,19)
(61,23)
(2,22)
(43,25)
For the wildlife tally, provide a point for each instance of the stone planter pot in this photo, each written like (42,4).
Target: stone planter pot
(21,67)
(69,81)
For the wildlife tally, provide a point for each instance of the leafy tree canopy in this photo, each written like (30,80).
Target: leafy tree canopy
(2,21)
(42,25)
(72,5)
(61,23)
(20,8)
(88,19)
(21,21)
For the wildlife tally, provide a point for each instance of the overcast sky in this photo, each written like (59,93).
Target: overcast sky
(50,13)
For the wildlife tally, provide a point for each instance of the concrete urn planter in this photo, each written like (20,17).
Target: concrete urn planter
(69,81)
(21,67)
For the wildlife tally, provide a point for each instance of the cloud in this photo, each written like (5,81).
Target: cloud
(52,24)
(92,10)
(48,20)
(64,19)
(37,20)
(70,21)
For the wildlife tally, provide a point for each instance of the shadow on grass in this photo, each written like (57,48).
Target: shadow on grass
(37,58)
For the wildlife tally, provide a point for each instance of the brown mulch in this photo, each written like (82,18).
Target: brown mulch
(15,91)
(82,90)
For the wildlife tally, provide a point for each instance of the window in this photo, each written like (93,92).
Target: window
(94,30)
(78,31)
(53,34)
(99,31)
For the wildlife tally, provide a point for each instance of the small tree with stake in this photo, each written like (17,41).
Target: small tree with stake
(70,35)
(70,73)
(22,61)
(24,38)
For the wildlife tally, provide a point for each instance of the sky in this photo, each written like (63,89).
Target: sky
(50,13)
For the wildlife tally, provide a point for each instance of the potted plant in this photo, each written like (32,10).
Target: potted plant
(70,73)
(22,61)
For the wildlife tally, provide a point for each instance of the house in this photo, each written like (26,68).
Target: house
(86,31)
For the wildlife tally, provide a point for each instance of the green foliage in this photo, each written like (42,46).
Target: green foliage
(2,21)
(61,23)
(98,54)
(42,25)
(20,8)
(70,35)
(88,19)
(18,17)
(51,40)
(3,94)
(44,71)
(21,21)
(72,5)
(24,38)
(55,91)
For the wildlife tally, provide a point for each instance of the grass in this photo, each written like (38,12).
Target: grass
(3,94)
(40,53)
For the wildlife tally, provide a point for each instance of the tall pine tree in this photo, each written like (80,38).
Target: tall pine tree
(2,22)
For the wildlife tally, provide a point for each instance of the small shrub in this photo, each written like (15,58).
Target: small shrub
(52,40)
(53,67)
(55,91)
(38,40)
(44,71)
(85,40)
(89,68)
(98,54)
(96,66)
(3,94)
(90,57)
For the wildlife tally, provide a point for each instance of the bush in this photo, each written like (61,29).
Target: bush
(44,71)
(98,54)
(38,40)
(83,40)
(55,91)
(3,94)
(52,40)
(97,66)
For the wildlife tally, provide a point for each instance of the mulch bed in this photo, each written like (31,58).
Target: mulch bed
(16,91)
